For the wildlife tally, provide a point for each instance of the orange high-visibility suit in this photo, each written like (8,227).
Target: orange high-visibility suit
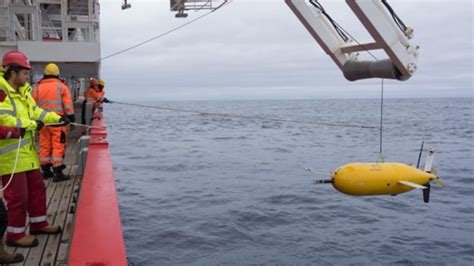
(93,95)
(53,95)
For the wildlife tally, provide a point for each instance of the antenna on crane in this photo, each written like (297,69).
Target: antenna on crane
(126,5)
(180,6)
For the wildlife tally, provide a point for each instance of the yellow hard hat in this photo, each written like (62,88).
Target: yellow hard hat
(101,82)
(51,70)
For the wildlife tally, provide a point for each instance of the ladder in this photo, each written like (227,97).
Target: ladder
(4,22)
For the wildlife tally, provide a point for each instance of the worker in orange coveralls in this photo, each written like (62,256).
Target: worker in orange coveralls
(53,95)
(102,92)
(92,94)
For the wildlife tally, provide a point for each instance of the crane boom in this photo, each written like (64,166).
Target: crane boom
(401,61)
(387,30)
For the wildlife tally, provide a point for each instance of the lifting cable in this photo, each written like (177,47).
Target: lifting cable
(248,116)
(162,34)
(339,29)
(346,33)
(381,122)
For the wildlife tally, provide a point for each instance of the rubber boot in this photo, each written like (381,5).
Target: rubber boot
(58,174)
(25,242)
(51,229)
(46,171)
(7,258)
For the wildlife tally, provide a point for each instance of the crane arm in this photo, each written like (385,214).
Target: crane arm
(382,26)
(387,30)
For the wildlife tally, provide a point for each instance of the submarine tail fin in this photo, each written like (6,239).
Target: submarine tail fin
(411,184)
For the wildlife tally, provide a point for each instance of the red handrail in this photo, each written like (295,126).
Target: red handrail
(97,237)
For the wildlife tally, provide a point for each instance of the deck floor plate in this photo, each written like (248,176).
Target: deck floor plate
(54,241)
(52,249)
(66,237)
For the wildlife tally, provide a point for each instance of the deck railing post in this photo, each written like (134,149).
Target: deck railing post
(82,149)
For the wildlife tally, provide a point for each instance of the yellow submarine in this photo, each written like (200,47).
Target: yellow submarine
(367,179)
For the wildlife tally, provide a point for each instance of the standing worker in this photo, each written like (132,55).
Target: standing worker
(53,95)
(24,188)
(92,94)
(101,91)
(5,257)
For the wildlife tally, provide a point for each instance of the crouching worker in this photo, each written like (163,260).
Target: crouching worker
(26,191)
(5,257)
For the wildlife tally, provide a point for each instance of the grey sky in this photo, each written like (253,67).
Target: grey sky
(259,50)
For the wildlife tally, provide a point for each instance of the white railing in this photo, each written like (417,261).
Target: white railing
(49,20)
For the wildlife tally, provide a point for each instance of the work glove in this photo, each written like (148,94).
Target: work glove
(64,120)
(71,118)
(22,131)
(39,125)
(106,100)
(18,133)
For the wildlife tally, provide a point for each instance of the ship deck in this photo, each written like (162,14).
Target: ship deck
(61,199)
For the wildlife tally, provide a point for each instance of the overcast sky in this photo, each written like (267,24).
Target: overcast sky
(258,49)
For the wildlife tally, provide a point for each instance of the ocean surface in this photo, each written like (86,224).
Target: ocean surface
(200,189)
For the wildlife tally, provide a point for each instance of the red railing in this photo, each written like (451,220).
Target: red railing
(97,237)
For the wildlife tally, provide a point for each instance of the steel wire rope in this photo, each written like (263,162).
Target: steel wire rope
(181,110)
(381,158)
(161,34)
(248,116)
(207,113)
(381,122)
(338,28)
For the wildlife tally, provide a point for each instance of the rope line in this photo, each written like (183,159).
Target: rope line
(160,35)
(248,117)
(381,158)
(381,121)
(14,165)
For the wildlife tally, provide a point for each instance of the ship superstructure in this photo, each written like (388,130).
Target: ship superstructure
(66,32)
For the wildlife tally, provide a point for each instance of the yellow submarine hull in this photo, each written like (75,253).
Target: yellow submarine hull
(364,179)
